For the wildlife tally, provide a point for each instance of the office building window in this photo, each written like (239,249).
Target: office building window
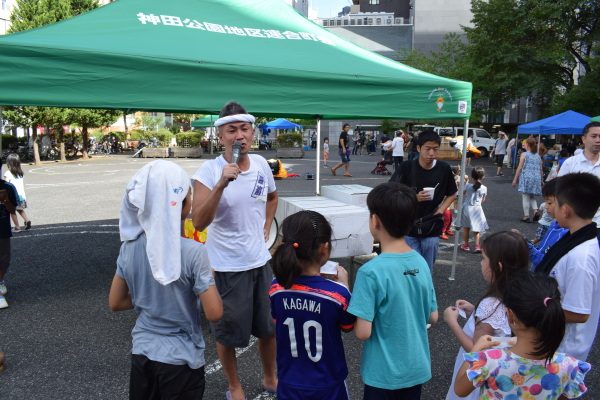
(339,22)
(345,22)
(359,21)
(325,22)
(373,1)
(353,22)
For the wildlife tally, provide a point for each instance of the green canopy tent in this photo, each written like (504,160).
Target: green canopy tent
(192,56)
(205,122)
(195,55)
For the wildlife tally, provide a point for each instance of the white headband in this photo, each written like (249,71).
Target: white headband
(235,118)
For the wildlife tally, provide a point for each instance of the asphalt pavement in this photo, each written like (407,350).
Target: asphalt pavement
(61,340)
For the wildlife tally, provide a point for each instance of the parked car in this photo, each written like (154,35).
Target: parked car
(482,140)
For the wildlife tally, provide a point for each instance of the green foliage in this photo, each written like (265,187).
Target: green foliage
(521,48)
(389,126)
(585,97)
(289,140)
(192,138)
(174,129)
(8,139)
(149,122)
(86,118)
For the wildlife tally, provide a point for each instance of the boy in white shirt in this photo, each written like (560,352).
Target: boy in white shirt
(574,261)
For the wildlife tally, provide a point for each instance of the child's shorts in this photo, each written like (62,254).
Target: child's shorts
(541,231)
(410,393)
(21,205)
(338,392)
(149,378)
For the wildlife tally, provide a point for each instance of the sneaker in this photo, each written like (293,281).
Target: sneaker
(15,230)
(477,249)
(27,225)
(3,289)
(443,236)
(3,303)
(465,247)
(449,233)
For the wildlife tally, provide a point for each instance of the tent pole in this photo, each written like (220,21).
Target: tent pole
(1,129)
(212,134)
(463,162)
(318,158)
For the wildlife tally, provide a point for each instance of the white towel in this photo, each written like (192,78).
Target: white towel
(152,205)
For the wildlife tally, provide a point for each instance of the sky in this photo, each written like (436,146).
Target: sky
(329,8)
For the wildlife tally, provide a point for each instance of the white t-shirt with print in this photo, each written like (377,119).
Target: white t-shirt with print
(577,274)
(235,239)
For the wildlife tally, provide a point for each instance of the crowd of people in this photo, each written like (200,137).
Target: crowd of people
(528,336)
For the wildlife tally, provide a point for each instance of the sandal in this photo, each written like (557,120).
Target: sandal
(537,216)
(348,175)
(526,220)
(333,171)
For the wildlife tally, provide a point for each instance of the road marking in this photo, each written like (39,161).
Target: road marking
(216,365)
(19,236)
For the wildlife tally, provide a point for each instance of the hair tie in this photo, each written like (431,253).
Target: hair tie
(295,245)
(546,301)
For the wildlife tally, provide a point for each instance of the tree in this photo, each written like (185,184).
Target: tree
(585,97)
(91,118)
(522,48)
(149,122)
(29,14)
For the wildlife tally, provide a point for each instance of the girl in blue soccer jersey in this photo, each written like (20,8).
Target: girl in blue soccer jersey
(309,312)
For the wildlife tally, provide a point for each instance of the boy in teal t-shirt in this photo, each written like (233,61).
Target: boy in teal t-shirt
(394,301)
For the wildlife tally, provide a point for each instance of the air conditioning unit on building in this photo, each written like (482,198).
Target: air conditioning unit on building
(399,21)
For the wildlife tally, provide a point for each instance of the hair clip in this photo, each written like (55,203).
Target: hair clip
(295,245)
(546,301)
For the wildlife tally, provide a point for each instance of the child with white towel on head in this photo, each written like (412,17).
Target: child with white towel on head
(161,276)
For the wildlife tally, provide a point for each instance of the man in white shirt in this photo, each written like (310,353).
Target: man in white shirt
(588,160)
(238,201)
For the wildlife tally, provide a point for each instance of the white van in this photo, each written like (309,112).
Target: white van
(481,138)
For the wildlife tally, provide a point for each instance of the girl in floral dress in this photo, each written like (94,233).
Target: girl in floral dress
(530,369)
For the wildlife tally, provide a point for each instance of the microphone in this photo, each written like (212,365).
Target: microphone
(235,154)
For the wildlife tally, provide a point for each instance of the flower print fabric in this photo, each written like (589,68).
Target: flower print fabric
(503,375)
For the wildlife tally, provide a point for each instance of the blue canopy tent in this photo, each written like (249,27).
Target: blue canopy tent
(280,123)
(567,123)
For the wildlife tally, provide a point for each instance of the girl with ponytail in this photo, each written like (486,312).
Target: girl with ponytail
(309,312)
(473,218)
(531,367)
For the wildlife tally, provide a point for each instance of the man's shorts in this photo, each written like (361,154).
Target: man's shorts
(500,159)
(246,306)
(344,156)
